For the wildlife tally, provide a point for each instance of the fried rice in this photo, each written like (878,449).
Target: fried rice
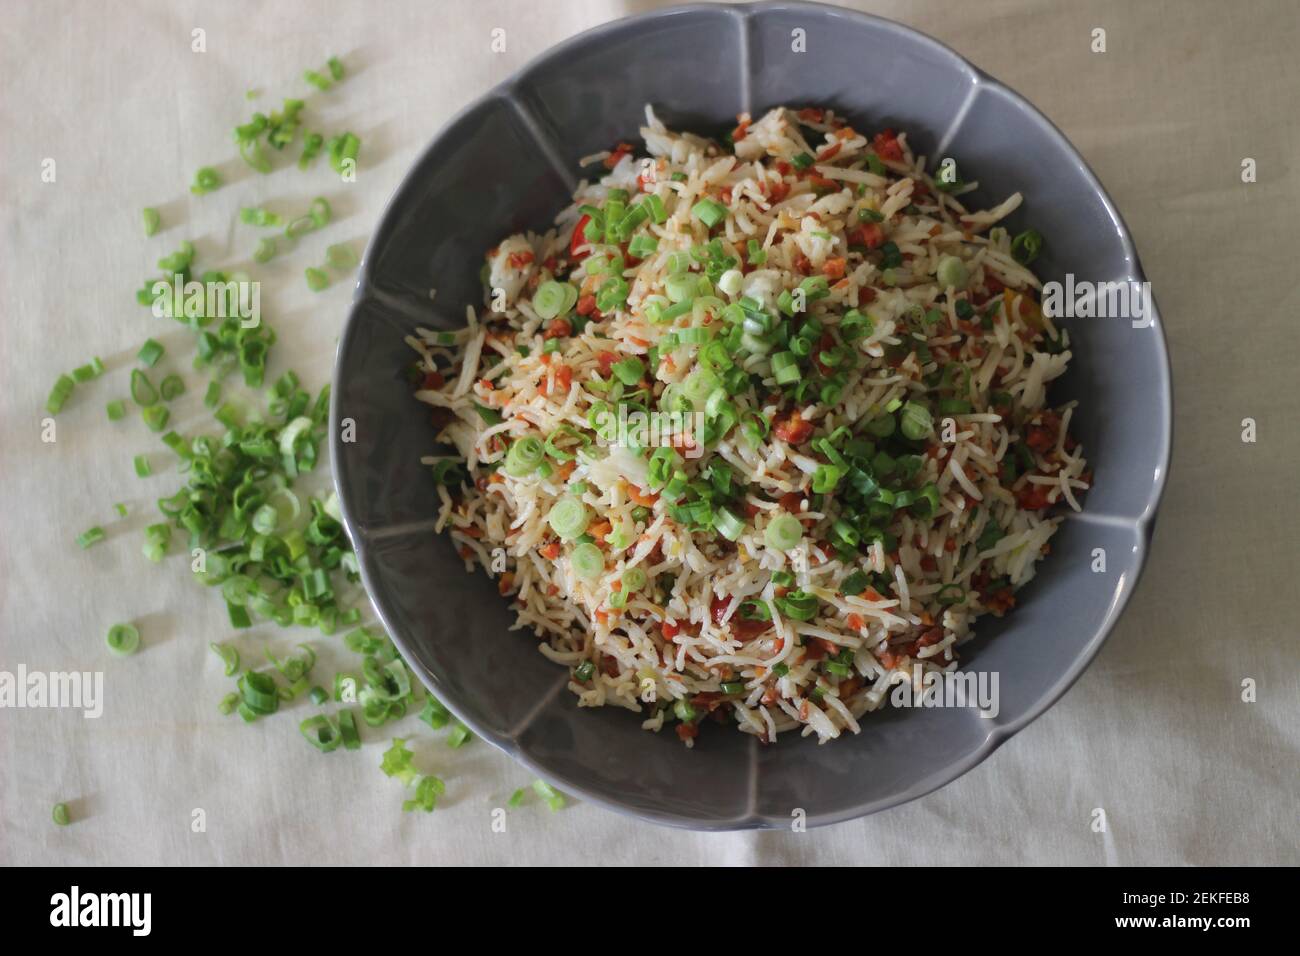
(857,458)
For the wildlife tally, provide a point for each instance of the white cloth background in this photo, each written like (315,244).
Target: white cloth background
(1155,733)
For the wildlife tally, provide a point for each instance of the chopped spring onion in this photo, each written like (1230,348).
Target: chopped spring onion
(60,814)
(950,594)
(123,639)
(320,212)
(729,282)
(317,279)
(116,410)
(434,714)
(629,371)
(321,733)
(299,227)
(258,693)
(642,245)
(171,387)
(587,561)
(915,421)
(427,791)
(142,467)
(553,798)
(952,273)
(157,540)
(611,294)
(341,149)
(205,180)
(251,152)
(151,220)
(1026,246)
(265,251)
(783,532)
(727,524)
(459,736)
(257,216)
(709,212)
(825,478)
(926,501)
(550,298)
(954,406)
(229,657)
(88,372)
(798,605)
(59,394)
(340,257)
(150,353)
(569,518)
(238,616)
(785,368)
(155,416)
(348,730)
(854,583)
(524,456)
(90,536)
(142,391)
(855,325)
(680,263)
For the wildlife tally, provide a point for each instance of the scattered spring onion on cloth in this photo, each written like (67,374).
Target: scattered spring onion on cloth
(273,552)
(123,639)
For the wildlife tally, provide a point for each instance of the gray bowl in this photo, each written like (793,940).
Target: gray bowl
(509,161)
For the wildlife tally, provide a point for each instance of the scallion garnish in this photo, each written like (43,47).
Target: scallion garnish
(317,279)
(783,532)
(1026,246)
(205,180)
(123,639)
(142,391)
(171,387)
(709,212)
(59,394)
(568,518)
(155,417)
(340,257)
(553,798)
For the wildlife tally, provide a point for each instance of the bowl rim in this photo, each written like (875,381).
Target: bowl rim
(998,734)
